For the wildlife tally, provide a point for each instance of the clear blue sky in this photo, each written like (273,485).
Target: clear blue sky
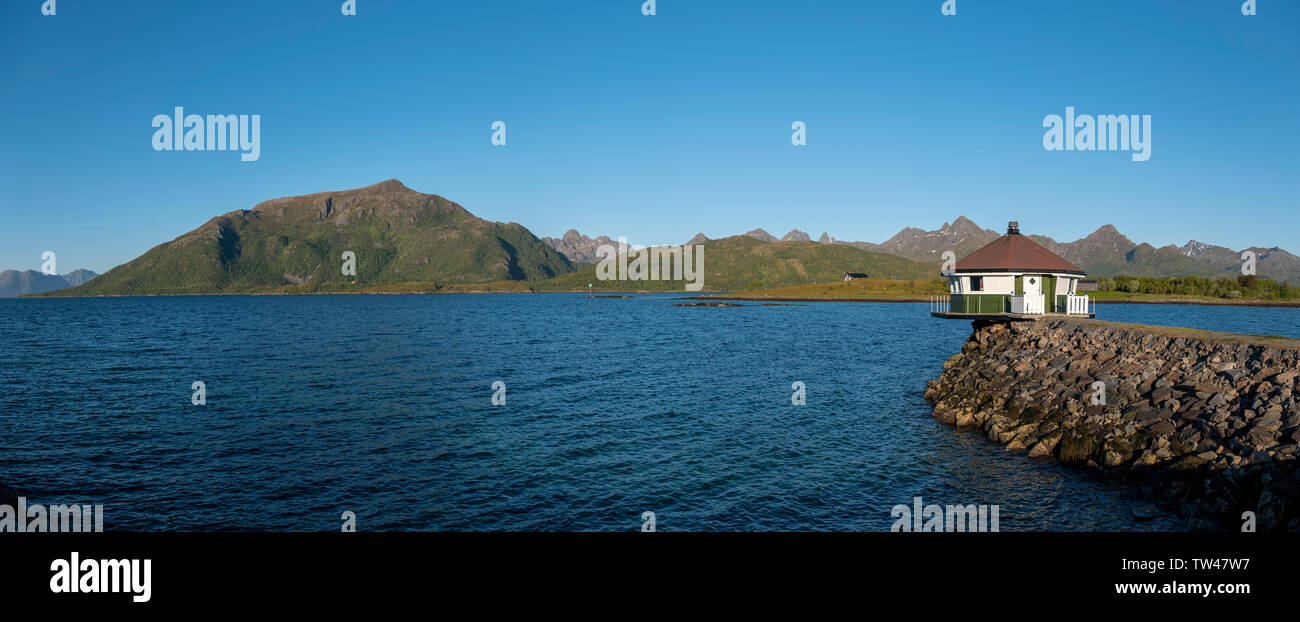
(653,127)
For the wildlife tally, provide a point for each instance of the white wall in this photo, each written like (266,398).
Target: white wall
(993,284)
(1002,283)
(1063,284)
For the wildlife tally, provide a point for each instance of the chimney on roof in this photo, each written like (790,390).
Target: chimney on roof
(1013,228)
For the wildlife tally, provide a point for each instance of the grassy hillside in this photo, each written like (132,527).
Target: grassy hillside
(857,289)
(398,236)
(1148,261)
(730,264)
(743,263)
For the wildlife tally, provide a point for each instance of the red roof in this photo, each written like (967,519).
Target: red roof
(1015,253)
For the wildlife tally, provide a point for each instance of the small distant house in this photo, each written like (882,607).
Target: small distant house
(1012,277)
(849,276)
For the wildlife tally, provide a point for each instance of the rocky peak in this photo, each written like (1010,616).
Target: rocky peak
(962,225)
(1107,236)
(390,200)
(578,247)
(1105,231)
(79,276)
(1193,248)
(390,185)
(796,235)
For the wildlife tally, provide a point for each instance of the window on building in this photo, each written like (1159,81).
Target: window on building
(977,284)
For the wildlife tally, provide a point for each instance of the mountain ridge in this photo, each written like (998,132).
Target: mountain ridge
(399,235)
(395,234)
(1103,253)
(14,283)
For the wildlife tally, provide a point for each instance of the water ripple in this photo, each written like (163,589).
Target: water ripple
(382,405)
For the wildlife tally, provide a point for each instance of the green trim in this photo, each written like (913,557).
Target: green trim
(1020,285)
(980,303)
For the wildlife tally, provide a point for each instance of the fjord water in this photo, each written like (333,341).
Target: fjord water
(381,405)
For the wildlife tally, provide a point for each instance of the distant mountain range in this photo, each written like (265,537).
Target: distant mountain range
(400,236)
(1103,253)
(1271,263)
(15,283)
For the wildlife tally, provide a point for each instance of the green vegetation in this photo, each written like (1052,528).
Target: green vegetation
(407,242)
(744,263)
(244,257)
(1241,288)
(857,289)
(399,237)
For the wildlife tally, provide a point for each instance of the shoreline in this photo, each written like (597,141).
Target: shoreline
(1198,422)
(1209,303)
(684,296)
(603,294)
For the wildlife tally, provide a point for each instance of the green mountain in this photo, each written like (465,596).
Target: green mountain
(743,262)
(397,235)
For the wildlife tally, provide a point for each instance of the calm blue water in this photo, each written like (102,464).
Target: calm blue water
(381,405)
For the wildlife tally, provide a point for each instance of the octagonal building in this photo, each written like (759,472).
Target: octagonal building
(1012,277)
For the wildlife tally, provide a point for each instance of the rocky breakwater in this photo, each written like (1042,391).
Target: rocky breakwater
(1205,423)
